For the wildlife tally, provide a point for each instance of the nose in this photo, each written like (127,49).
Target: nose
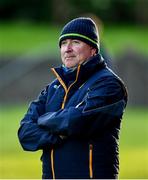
(68,47)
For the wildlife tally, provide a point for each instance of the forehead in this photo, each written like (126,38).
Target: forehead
(70,40)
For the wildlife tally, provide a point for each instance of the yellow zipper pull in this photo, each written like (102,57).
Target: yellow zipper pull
(90,161)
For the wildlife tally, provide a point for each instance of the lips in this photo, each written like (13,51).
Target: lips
(68,57)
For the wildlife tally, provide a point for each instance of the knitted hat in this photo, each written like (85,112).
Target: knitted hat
(83,29)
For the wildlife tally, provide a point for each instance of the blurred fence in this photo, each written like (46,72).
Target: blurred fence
(22,80)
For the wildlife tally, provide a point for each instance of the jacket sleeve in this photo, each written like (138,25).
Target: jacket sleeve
(31,136)
(103,103)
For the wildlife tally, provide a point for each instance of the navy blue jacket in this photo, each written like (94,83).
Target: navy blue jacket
(76,122)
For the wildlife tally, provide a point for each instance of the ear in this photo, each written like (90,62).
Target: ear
(93,51)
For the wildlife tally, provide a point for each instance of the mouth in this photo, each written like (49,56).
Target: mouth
(69,57)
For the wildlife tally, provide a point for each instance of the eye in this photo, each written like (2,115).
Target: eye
(63,42)
(76,41)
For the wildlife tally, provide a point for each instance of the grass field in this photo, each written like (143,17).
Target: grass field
(20,38)
(134,144)
(15,163)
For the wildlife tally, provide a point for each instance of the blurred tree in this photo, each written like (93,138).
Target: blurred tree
(7,9)
(107,10)
(59,11)
(140,10)
(34,10)
(122,11)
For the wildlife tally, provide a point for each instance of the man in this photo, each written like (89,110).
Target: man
(76,119)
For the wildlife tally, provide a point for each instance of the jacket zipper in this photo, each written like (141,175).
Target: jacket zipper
(90,161)
(52,164)
(66,92)
(63,105)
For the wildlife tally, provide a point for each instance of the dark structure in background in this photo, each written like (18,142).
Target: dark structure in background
(22,80)
(133,69)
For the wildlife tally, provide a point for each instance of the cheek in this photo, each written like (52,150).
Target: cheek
(62,54)
(78,51)
(61,51)
(82,53)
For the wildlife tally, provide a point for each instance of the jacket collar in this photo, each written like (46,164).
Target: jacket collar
(86,70)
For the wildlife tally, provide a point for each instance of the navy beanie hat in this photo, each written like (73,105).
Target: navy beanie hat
(83,29)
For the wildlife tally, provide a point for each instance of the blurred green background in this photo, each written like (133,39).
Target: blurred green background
(30,29)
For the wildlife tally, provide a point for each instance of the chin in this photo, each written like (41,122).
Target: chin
(70,65)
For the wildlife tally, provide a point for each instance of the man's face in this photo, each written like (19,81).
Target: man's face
(74,52)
